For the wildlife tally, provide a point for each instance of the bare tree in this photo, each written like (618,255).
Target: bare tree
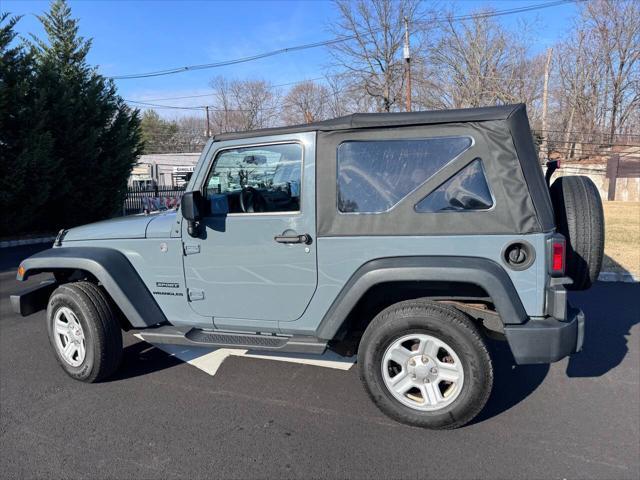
(305,103)
(372,55)
(243,105)
(346,97)
(579,74)
(190,135)
(597,86)
(338,103)
(477,62)
(616,25)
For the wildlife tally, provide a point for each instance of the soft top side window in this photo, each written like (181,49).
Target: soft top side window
(467,190)
(373,176)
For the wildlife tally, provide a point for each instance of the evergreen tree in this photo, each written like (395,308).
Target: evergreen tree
(96,137)
(158,134)
(24,156)
(67,139)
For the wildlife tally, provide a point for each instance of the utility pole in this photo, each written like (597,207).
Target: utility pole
(207,128)
(545,92)
(407,59)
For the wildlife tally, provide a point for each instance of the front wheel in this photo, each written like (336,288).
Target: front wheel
(426,364)
(83,331)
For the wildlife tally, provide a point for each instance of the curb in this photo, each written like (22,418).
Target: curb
(26,241)
(624,277)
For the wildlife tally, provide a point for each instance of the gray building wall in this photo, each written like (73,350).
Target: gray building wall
(159,167)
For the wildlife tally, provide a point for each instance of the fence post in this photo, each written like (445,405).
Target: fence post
(612,173)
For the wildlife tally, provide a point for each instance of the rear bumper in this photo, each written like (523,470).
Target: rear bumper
(546,340)
(33,299)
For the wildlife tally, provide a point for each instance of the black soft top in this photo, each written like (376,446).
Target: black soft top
(377,120)
(502,141)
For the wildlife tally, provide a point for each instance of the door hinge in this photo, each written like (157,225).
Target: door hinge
(191,248)
(195,294)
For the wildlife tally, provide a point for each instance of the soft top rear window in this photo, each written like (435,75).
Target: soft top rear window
(373,176)
(467,190)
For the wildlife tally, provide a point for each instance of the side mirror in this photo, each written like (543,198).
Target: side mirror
(191,206)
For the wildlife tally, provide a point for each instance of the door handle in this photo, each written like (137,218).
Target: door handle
(304,238)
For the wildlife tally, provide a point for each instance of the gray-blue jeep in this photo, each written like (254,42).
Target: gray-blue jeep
(408,239)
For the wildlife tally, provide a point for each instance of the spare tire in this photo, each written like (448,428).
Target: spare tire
(580,218)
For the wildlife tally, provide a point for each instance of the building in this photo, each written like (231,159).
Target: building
(163,169)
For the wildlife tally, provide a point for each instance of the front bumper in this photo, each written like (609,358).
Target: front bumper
(546,340)
(33,299)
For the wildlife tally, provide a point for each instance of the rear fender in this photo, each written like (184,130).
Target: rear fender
(482,272)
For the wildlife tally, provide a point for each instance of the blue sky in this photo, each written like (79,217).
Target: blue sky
(146,35)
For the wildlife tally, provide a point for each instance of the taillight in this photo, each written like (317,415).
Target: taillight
(557,255)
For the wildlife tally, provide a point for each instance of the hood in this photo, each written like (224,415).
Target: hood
(133,226)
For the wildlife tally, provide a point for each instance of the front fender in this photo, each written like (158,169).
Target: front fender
(114,272)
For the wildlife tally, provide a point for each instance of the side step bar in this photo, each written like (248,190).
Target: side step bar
(195,337)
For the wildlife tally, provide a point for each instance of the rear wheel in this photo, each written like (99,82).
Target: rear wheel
(425,364)
(84,332)
(580,218)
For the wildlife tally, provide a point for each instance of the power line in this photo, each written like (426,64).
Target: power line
(270,87)
(600,144)
(344,38)
(590,133)
(155,105)
(195,107)
(582,153)
(211,94)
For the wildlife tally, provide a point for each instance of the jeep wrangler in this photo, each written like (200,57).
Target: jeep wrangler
(407,238)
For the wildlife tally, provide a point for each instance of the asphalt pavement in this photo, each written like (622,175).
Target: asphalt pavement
(161,418)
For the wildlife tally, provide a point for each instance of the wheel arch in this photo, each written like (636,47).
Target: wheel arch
(111,269)
(429,276)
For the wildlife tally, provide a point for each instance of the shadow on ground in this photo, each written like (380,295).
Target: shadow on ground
(511,383)
(611,310)
(140,359)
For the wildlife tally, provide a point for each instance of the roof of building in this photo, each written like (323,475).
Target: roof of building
(373,120)
(171,159)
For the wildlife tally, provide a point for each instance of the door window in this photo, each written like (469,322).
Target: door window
(259,179)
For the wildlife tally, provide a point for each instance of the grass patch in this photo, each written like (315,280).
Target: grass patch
(622,237)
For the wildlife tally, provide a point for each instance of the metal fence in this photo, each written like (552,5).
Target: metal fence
(140,199)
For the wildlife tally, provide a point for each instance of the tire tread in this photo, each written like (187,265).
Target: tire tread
(580,218)
(96,309)
(411,309)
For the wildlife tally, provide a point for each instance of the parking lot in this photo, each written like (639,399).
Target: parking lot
(160,417)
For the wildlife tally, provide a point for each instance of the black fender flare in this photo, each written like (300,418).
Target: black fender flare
(112,269)
(482,272)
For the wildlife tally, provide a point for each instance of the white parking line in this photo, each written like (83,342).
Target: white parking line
(209,359)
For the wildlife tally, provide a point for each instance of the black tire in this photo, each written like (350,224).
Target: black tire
(445,323)
(580,218)
(103,337)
